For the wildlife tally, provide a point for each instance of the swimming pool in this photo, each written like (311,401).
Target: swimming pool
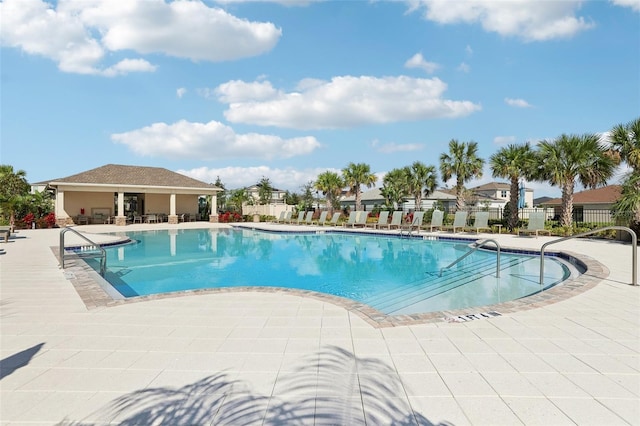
(391,274)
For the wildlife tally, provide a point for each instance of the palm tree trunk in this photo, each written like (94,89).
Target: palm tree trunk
(513,201)
(329,202)
(567,204)
(358,206)
(459,195)
(418,206)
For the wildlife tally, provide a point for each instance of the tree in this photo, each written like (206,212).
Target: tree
(462,162)
(306,200)
(625,140)
(330,184)
(13,187)
(354,176)
(513,162)
(221,197)
(237,198)
(265,191)
(421,179)
(395,187)
(574,157)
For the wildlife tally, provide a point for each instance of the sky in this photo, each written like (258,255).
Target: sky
(286,90)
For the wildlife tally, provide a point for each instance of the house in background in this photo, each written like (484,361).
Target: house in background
(497,194)
(277,195)
(374,197)
(117,194)
(592,205)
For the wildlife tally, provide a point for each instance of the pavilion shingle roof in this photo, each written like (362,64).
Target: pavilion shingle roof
(605,195)
(114,174)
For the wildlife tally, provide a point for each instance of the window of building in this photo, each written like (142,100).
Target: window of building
(503,194)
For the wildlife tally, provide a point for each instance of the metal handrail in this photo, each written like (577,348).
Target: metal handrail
(634,250)
(93,246)
(478,244)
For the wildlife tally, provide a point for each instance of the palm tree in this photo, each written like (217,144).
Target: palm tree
(13,187)
(330,184)
(463,163)
(238,197)
(421,179)
(265,191)
(395,187)
(354,176)
(513,162)
(625,140)
(571,157)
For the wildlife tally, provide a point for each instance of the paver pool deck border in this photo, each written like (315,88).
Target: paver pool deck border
(282,357)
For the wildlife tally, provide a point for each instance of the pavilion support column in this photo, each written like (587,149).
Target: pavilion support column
(213,217)
(62,218)
(173,217)
(121,219)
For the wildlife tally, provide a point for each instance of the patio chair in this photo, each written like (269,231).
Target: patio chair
(361,221)
(383,218)
(286,218)
(481,221)
(459,222)
(352,219)
(5,233)
(415,224)
(300,218)
(308,220)
(322,219)
(280,218)
(536,225)
(333,221)
(396,221)
(152,218)
(436,220)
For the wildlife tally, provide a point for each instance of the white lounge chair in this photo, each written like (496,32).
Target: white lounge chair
(436,220)
(333,221)
(362,220)
(308,220)
(481,221)
(280,218)
(536,225)
(287,217)
(352,219)
(459,222)
(396,221)
(383,218)
(416,223)
(322,219)
(299,219)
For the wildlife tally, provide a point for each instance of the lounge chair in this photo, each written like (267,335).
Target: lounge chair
(416,223)
(308,220)
(536,225)
(396,221)
(333,221)
(459,222)
(352,219)
(322,219)
(280,218)
(287,217)
(481,221)
(5,233)
(382,219)
(151,218)
(436,220)
(299,219)
(362,219)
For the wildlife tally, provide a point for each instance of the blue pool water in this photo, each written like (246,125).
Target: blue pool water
(394,275)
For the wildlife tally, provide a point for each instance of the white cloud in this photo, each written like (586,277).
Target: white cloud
(240,91)
(394,147)
(517,103)
(209,141)
(633,4)
(237,177)
(180,92)
(469,50)
(418,61)
(463,67)
(77,34)
(343,102)
(531,20)
(504,140)
(129,65)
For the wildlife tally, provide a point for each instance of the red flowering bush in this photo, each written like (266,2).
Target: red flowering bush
(50,220)
(28,219)
(227,217)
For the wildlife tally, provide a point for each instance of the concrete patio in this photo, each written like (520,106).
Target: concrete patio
(280,358)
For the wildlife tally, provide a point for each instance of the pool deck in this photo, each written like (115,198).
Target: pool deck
(283,358)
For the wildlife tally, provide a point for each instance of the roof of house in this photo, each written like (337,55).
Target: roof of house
(115,174)
(492,186)
(375,195)
(605,195)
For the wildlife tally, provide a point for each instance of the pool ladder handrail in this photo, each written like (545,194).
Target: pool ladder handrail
(634,250)
(477,245)
(92,246)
